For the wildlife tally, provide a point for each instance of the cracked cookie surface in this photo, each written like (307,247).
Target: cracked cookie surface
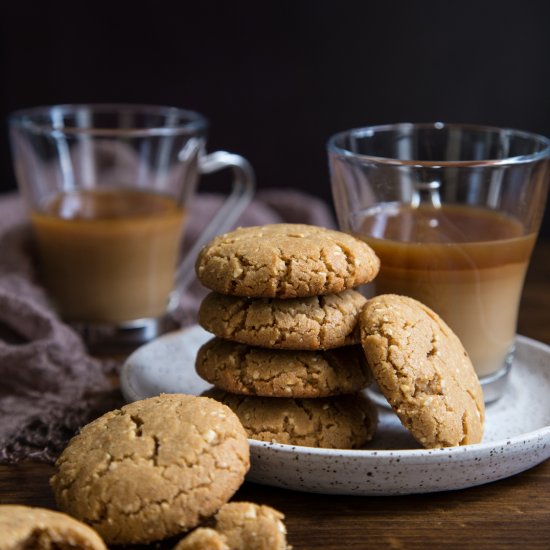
(423,371)
(249,370)
(285,261)
(317,322)
(39,528)
(341,422)
(152,469)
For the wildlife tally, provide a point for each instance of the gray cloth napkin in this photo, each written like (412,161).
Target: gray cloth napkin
(50,385)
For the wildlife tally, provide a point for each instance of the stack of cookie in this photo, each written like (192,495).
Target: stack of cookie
(284,312)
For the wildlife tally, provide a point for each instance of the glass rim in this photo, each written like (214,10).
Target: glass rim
(183,121)
(333,148)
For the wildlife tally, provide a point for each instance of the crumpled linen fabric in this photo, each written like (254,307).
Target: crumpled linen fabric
(50,385)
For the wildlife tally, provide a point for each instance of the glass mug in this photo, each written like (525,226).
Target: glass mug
(453,213)
(108,187)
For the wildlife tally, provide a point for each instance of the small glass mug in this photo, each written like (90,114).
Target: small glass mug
(107,187)
(453,213)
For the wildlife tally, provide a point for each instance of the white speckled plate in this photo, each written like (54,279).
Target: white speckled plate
(517,434)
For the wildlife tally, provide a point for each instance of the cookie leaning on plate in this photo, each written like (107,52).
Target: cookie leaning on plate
(249,370)
(28,527)
(423,370)
(317,322)
(152,469)
(341,422)
(285,261)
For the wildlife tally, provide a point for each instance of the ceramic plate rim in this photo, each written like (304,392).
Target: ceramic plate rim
(376,454)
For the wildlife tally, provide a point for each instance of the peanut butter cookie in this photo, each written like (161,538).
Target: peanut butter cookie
(423,370)
(285,261)
(240,526)
(153,468)
(317,322)
(342,422)
(42,529)
(249,370)
(249,526)
(203,538)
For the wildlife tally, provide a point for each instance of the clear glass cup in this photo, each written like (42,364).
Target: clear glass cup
(453,212)
(108,190)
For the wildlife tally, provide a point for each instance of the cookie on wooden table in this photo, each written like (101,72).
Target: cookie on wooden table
(254,526)
(285,261)
(423,371)
(317,322)
(341,422)
(40,528)
(153,468)
(203,538)
(250,370)
(240,526)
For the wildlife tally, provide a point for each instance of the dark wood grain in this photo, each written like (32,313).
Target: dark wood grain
(505,514)
(511,513)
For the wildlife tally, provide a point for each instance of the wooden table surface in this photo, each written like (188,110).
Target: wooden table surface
(511,513)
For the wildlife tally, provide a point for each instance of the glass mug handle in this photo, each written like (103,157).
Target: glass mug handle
(227,215)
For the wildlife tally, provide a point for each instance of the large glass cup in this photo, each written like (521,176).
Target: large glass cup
(108,190)
(453,213)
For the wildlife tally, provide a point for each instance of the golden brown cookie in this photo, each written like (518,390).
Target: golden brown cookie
(203,538)
(249,370)
(318,322)
(249,526)
(423,370)
(38,528)
(152,469)
(285,261)
(342,422)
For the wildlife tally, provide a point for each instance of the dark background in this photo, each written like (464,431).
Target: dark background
(276,79)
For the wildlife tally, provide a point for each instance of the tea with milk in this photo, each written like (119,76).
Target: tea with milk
(467,263)
(109,255)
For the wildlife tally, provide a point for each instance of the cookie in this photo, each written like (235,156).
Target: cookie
(203,538)
(342,422)
(249,370)
(246,525)
(318,322)
(285,261)
(152,469)
(240,526)
(423,370)
(28,527)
